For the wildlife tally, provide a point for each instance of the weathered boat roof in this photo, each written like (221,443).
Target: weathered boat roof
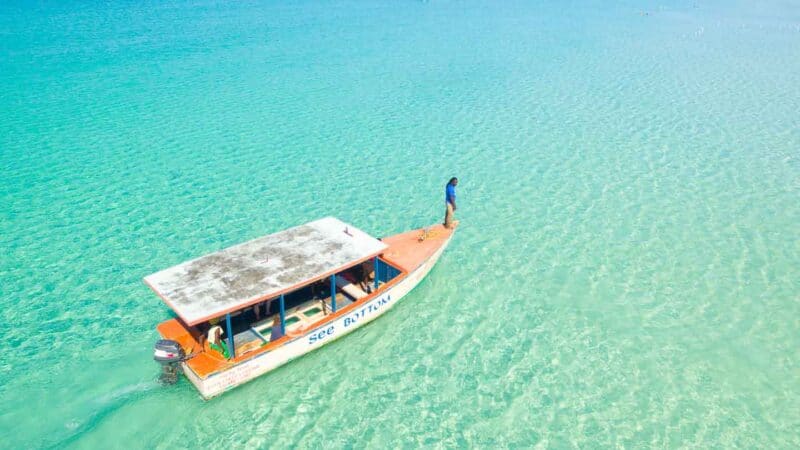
(245,274)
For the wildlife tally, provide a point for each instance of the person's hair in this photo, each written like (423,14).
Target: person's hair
(451,180)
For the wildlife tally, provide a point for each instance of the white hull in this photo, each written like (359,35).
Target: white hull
(260,364)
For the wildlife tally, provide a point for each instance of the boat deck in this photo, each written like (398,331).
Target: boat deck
(408,251)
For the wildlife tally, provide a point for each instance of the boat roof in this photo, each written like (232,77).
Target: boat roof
(257,270)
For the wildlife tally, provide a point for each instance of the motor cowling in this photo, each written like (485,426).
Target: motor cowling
(169,354)
(167,351)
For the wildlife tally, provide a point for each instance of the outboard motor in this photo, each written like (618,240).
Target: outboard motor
(169,354)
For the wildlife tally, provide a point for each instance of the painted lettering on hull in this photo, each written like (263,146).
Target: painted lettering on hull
(321,334)
(368,310)
(349,320)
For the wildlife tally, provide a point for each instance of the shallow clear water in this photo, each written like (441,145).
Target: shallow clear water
(626,272)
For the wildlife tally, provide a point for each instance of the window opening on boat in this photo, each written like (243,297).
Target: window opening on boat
(258,325)
(385,272)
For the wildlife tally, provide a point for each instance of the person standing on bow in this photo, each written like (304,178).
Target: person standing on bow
(450,202)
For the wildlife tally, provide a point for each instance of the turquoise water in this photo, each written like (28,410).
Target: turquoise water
(626,273)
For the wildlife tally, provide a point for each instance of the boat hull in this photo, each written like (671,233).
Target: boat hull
(217,383)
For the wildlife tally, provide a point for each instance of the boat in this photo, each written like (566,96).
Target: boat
(246,310)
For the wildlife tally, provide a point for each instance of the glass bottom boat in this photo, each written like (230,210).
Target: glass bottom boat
(248,309)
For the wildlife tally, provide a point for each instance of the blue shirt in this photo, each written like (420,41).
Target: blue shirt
(450,194)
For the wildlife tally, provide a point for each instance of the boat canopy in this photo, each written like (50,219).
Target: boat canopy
(261,269)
